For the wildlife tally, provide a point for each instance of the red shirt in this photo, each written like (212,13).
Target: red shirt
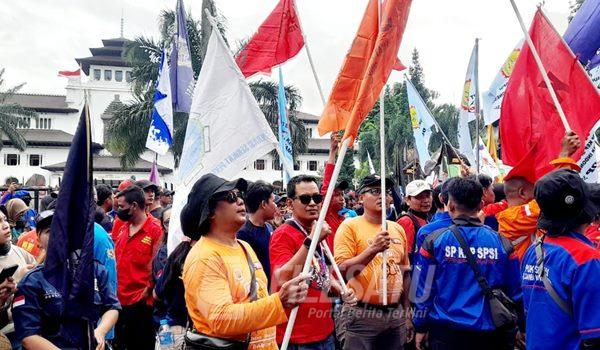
(593,234)
(332,218)
(494,208)
(134,260)
(409,229)
(313,322)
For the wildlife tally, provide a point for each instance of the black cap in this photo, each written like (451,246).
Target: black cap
(374,180)
(146,184)
(342,185)
(196,211)
(566,201)
(168,193)
(43,220)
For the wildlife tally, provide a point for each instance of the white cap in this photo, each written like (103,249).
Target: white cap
(414,188)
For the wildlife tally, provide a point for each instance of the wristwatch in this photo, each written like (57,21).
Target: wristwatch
(307,242)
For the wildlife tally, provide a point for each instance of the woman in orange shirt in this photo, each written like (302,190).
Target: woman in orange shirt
(218,273)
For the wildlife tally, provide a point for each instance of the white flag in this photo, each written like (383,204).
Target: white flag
(160,134)
(371,167)
(226,130)
(590,160)
(468,108)
(421,120)
(491,100)
(487,165)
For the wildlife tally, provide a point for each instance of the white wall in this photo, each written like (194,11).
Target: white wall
(24,171)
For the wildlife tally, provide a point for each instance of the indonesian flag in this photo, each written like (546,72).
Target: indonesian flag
(530,127)
(68,73)
(278,39)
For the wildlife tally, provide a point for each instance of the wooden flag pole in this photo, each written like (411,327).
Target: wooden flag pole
(310,60)
(540,65)
(317,234)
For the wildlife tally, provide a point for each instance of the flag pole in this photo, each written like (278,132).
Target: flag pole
(543,72)
(477,110)
(317,234)
(382,174)
(310,60)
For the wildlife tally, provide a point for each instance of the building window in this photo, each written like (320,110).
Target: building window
(107,74)
(44,123)
(312,165)
(128,76)
(276,165)
(35,160)
(259,164)
(97,74)
(297,165)
(119,75)
(12,159)
(24,123)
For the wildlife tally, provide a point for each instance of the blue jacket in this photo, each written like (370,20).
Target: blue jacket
(38,309)
(451,297)
(573,267)
(440,220)
(104,252)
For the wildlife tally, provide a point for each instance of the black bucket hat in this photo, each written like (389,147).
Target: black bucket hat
(196,210)
(374,180)
(566,201)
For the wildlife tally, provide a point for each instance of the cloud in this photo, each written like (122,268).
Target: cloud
(39,38)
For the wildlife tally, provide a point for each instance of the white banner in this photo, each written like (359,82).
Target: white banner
(492,99)
(468,109)
(590,160)
(226,131)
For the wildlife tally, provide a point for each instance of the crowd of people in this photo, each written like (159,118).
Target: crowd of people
(469,263)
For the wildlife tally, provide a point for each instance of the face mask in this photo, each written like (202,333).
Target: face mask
(124,214)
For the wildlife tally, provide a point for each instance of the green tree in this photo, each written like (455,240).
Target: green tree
(13,116)
(128,129)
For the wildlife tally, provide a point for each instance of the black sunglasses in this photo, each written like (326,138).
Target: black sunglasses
(231,196)
(376,191)
(306,198)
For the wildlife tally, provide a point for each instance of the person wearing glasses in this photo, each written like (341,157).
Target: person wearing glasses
(359,246)
(288,251)
(225,285)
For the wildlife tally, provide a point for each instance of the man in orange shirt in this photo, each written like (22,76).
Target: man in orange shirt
(359,247)
(518,223)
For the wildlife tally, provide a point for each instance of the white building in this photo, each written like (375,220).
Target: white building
(107,81)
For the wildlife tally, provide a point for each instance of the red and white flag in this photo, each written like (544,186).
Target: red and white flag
(67,73)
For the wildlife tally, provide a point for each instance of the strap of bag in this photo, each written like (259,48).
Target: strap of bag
(471,260)
(253,289)
(416,227)
(539,253)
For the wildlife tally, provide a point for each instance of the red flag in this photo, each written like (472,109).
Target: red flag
(67,73)
(529,122)
(278,39)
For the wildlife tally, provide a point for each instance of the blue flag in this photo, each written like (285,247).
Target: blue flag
(69,265)
(285,137)
(421,120)
(160,134)
(182,74)
(583,34)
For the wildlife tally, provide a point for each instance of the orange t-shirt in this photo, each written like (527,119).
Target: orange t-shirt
(217,285)
(30,242)
(519,225)
(353,237)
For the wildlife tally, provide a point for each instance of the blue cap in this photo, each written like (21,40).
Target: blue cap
(164,322)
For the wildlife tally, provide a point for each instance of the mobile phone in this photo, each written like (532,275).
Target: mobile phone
(8,272)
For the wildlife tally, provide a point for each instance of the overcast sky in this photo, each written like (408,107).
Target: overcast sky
(39,38)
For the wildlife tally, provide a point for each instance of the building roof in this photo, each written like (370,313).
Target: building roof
(42,103)
(110,54)
(47,138)
(113,164)
(307,117)
(318,145)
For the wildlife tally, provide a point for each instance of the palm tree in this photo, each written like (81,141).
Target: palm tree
(13,116)
(128,129)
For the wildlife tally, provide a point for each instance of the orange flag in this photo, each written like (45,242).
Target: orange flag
(366,68)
